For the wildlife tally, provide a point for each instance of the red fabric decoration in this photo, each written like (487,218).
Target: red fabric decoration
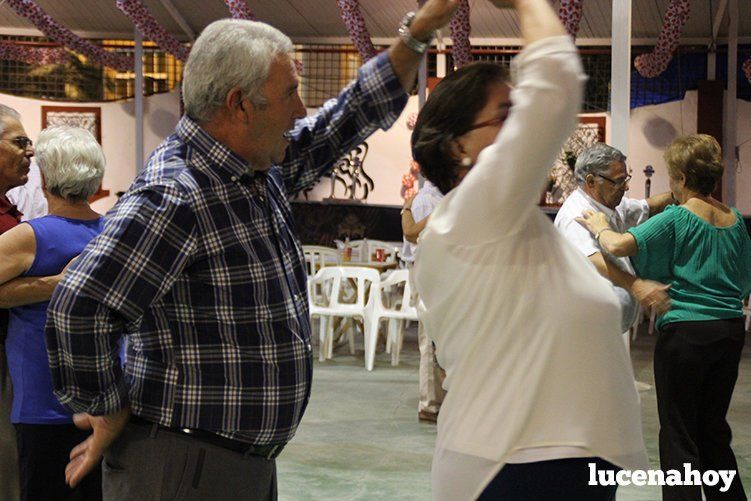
(358,32)
(54,30)
(240,10)
(151,29)
(570,14)
(35,56)
(653,64)
(460,29)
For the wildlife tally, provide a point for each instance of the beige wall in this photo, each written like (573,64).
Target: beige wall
(651,130)
(118,133)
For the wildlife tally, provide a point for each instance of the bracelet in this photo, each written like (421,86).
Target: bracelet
(597,235)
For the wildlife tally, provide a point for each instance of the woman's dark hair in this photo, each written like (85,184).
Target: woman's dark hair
(699,158)
(449,113)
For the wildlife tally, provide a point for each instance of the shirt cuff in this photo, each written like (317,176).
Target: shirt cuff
(109,401)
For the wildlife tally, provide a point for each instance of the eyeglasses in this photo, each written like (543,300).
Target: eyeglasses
(22,142)
(488,123)
(621,183)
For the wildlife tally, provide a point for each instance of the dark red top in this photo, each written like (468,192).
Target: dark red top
(9,215)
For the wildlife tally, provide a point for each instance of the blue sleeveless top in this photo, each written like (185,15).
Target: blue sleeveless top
(58,240)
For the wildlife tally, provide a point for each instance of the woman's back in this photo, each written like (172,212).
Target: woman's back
(703,251)
(712,212)
(58,240)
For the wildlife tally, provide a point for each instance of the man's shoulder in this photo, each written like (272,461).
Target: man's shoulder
(167,168)
(571,208)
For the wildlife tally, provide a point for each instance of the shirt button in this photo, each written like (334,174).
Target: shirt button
(233,179)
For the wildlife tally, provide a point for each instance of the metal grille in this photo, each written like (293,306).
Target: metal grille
(326,69)
(597,93)
(79,80)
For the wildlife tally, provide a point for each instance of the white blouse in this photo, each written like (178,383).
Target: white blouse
(526,329)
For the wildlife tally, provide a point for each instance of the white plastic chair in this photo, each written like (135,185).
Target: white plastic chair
(331,281)
(376,311)
(317,257)
(364,249)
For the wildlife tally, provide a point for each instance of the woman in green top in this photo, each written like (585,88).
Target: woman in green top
(702,249)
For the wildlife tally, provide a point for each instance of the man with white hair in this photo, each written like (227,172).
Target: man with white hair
(602,179)
(16,150)
(200,267)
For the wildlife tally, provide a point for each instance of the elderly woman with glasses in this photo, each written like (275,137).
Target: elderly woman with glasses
(72,166)
(539,384)
(700,247)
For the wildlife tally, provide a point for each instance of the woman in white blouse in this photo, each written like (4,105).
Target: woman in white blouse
(539,383)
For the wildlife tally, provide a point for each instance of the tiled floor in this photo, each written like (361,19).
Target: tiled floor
(360,439)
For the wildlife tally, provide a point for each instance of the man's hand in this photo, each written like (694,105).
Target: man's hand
(434,15)
(651,294)
(88,454)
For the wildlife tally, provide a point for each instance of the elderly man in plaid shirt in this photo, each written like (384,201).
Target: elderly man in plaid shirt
(200,268)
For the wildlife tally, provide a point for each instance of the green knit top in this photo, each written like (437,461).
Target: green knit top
(708,267)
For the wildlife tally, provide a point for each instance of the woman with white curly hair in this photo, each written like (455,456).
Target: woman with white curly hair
(36,253)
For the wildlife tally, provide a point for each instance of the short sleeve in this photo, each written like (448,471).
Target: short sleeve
(655,240)
(633,212)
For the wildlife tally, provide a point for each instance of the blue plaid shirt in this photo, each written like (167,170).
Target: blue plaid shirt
(199,266)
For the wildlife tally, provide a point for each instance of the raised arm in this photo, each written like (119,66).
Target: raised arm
(373,101)
(504,184)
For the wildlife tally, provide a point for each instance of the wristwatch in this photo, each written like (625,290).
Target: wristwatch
(408,39)
(405,209)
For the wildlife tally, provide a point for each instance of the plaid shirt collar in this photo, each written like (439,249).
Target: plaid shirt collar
(221,160)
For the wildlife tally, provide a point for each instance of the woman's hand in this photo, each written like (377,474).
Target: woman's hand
(594,222)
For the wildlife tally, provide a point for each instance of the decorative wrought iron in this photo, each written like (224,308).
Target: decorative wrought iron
(349,171)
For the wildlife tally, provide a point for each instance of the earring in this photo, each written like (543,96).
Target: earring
(466,162)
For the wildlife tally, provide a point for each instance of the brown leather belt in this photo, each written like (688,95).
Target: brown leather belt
(267,452)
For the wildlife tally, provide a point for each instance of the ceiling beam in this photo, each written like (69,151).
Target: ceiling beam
(179,19)
(718,20)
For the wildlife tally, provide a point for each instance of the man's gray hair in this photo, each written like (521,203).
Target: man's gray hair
(595,160)
(230,53)
(71,161)
(5,113)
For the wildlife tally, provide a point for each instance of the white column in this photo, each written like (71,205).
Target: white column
(620,76)
(731,112)
(138,91)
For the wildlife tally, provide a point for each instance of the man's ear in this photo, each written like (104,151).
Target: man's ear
(590,180)
(238,106)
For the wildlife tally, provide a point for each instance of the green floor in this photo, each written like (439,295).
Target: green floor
(360,438)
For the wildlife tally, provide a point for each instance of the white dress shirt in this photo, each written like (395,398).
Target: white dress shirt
(29,198)
(627,214)
(527,330)
(426,200)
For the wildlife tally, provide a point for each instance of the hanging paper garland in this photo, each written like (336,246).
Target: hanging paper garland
(52,29)
(358,32)
(653,64)
(570,14)
(239,10)
(151,29)
(460,28)
(35,56)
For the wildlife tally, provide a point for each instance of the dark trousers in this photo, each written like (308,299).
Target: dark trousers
(555,480)
(696,367)
(43,454)
(147,464)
